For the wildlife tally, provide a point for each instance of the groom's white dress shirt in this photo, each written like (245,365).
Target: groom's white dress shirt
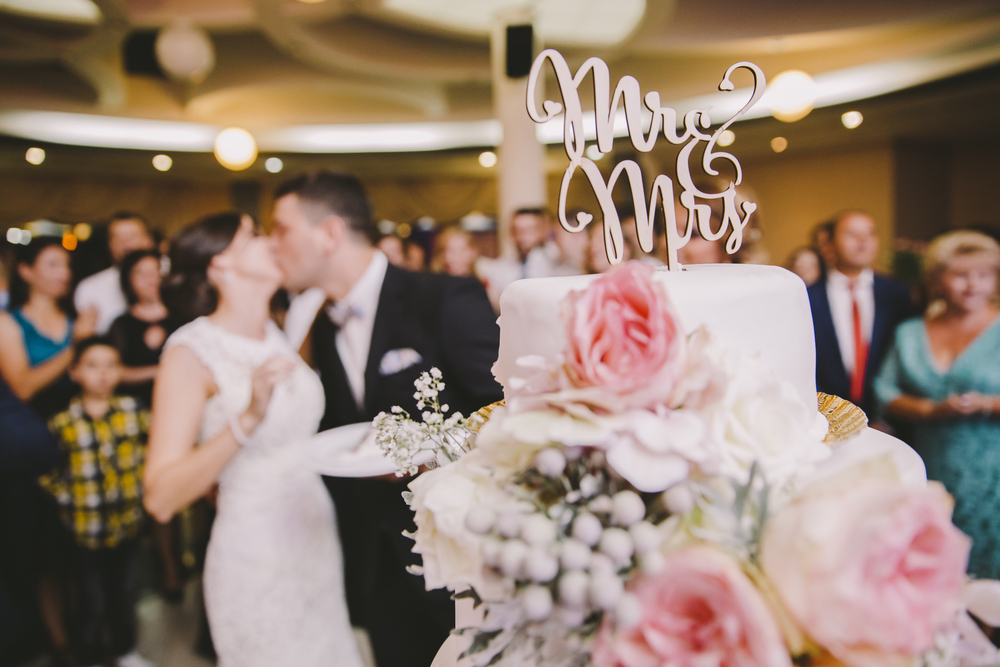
(355,315)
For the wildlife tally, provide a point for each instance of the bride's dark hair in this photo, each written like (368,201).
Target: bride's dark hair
(186,291)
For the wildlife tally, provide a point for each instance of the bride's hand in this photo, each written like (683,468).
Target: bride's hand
(265,378)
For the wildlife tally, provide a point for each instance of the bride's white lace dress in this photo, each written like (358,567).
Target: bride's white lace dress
(273,578)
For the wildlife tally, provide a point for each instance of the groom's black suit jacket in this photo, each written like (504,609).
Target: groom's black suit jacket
(449,322)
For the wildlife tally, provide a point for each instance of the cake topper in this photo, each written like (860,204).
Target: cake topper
(662,192)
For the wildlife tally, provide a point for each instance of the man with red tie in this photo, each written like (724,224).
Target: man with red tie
(855,312)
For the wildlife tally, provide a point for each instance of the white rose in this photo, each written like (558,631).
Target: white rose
(451,553)
(762,419)
(655,451)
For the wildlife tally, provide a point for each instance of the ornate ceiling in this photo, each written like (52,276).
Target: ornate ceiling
(287,62)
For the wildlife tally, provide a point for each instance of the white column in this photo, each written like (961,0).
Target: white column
(521,166)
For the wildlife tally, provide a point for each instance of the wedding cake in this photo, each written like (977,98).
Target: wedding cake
(662,484)
(764,310)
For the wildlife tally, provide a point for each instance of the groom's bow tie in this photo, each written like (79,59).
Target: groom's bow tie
(341,313)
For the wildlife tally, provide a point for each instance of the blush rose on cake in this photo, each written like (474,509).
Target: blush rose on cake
(652,497)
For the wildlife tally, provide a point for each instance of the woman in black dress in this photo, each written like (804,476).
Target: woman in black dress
(140,332)
(139,335)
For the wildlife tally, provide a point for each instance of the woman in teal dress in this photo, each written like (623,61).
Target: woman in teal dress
(940,385)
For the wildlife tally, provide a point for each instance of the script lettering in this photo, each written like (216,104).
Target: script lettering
(663,119)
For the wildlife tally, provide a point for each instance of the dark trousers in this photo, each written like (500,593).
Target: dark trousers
(108,581)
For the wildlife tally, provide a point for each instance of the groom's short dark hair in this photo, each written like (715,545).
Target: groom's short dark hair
(334,192)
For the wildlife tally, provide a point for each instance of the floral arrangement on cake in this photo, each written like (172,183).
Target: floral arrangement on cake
(652,498)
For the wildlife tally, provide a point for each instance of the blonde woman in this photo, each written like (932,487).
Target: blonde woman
(941,385)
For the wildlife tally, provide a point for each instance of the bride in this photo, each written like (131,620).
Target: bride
(231,401)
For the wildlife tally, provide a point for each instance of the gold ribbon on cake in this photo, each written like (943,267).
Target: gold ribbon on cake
(846,419)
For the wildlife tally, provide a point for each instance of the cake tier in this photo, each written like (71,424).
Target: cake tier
(761,309)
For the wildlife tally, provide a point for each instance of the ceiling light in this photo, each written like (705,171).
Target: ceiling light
(791,95)
(778,144)
(185,52)
(726,138)
(488,159)
(274,164)
(74,11)
(594,153)
(35,155)
(162,162)
(235,148)
(82,231)
(852,119)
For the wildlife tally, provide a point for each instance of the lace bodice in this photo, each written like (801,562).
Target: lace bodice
(296,405)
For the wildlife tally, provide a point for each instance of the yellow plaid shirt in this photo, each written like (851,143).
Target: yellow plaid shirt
(99,485)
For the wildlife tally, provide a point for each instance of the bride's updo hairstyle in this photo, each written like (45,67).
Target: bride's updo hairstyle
(186,291)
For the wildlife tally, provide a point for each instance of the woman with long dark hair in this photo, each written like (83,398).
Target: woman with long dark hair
(37,334)
(231,402)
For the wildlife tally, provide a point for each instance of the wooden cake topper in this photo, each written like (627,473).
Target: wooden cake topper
(662,192)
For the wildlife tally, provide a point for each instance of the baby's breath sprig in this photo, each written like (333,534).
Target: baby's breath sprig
(402,438)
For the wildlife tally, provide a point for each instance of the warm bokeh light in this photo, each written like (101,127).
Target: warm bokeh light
(274,164)
(594,153)
(791,95)
(727,138)
(852,119)
(488,159)
(403,230)
(779,144)
(82,231)
(69,241)
(235,148)
(35,155)
(162,162)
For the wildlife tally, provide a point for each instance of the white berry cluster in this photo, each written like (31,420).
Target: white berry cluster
(570,548)
(403,439)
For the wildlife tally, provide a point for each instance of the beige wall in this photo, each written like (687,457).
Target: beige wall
(795,193)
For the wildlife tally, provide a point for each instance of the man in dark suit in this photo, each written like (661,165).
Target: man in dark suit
(27,449)
(855,312)
(380,328)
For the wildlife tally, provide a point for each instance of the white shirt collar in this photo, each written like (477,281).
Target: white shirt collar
(363,295)
(865,279)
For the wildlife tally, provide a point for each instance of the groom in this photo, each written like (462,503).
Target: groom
(379,329)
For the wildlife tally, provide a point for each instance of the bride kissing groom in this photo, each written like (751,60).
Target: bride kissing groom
(232,397)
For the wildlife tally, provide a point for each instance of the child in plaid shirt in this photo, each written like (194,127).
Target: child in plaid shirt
(99,492)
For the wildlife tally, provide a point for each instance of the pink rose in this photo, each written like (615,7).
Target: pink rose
(624,336)
(701,611)
(871,571)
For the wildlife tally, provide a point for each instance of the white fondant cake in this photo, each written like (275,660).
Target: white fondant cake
(761,309)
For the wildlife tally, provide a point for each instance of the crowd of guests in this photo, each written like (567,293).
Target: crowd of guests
(84,359)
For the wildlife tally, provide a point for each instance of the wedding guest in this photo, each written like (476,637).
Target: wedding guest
(941,386)
(597,252)
(416,256)
(529,232)
(855,312)
(821,238)
(392,246)
(140,332)
(99,493)
(806,263)
(35,351)
(27,449)
(382,326)
(36,335)
(454,253)
(139,335)
(126,232)
(573,247)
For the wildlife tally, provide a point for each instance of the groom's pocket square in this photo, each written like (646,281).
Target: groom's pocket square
(397,360)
